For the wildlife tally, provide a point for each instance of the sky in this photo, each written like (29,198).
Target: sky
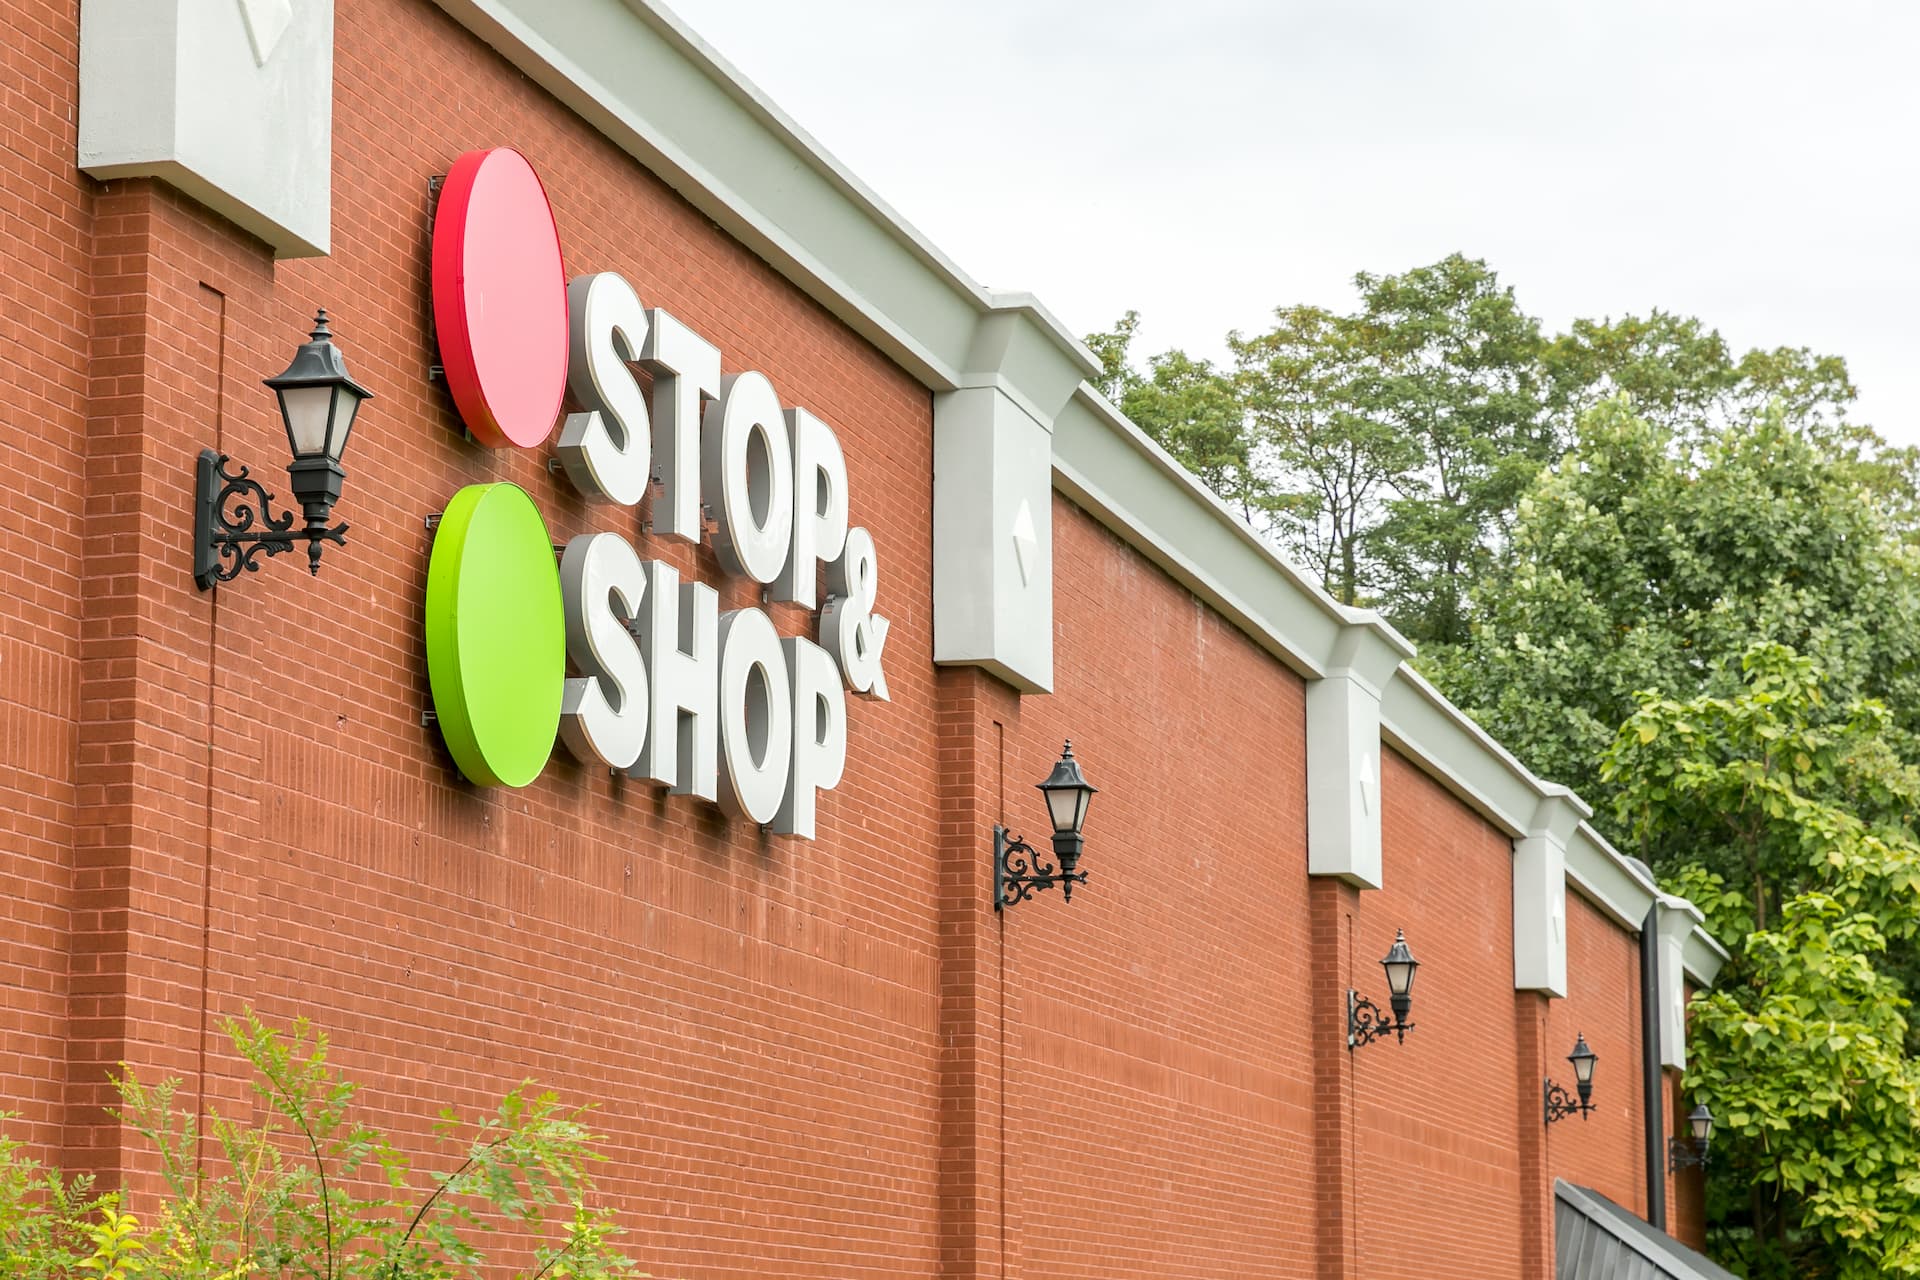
(1756,164)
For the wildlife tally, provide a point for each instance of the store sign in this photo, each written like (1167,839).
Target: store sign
(670,689)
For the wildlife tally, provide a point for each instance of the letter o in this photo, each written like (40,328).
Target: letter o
(756,716)
(746,467)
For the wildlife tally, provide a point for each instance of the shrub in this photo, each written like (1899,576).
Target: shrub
(308,1192)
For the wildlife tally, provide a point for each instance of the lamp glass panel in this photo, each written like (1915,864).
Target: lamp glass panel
(306,410)
(1583,1067)
(1066,807)
(347,404)
(1400,975)
(1701,1122)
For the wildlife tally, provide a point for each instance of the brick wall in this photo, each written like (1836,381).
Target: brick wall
(46,295)
(1435,1117)
(811,1059)
(757,1018)
(1686,1188)
(1159,1075)
(1606,1148)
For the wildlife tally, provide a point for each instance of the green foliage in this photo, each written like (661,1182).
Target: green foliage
(1114,349)
(1404,431)
(1190,409)
(119,1249)
(307,1191)
(1804,1063)
(49,1224)
(1769,792)
(1646,561)
(1683,378)
(1391,448)
(1314,386)
(1465,382)
(1787,822)
(1193,411)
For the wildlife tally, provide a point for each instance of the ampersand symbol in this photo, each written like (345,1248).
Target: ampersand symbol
(849,629)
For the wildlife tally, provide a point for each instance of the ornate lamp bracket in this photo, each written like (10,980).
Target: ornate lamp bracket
(1367,1023)
(1560,1104)
(1020,871)
(234,524)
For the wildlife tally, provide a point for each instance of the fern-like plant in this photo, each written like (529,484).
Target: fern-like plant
(307,1191)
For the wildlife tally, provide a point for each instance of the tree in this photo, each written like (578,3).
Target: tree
(1405,429)
(1792,827)
(1314,388)
(1388,448)
(1465,381)
(1113,349)
(1193,412)
(1675,370)
(1646,561)
(1190,409)
(1683,377)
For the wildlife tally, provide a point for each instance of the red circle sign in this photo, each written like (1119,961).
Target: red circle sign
(500,298)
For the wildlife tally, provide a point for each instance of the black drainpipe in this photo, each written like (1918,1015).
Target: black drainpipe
(1651,1077)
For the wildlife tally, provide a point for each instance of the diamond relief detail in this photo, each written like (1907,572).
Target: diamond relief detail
(267,21)
(1026,544)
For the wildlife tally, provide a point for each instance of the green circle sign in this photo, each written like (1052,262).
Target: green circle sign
(496,636)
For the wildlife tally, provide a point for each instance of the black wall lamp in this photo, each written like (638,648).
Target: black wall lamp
(1560,1103)
(1365,1022)
(1019,871)
(232,522)
(1694,1154)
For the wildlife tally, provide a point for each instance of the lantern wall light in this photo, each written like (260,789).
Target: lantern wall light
(1683,1153)
(1560,1103)
(1019,870)
(1365,1022)
(233,524)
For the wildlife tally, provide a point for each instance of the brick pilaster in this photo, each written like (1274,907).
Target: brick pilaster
(1331,905)
(974,716)
(1536,1178)
(167,746)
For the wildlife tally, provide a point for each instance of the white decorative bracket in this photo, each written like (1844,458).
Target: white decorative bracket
(1678,917)
(1540,891)
(230,103)
(1343,751)
(993,496)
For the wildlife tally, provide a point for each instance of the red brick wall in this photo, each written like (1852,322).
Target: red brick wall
(46,298)
(1606,1148)
(1159,1073)
(810,1059)
(1686,1188)
(167,757)
(1458,1108)
(271,826)
(1436,1115)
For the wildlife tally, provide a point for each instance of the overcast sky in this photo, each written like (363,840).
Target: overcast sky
(1203,161)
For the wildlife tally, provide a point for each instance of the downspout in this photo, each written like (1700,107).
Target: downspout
(1652,1078)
